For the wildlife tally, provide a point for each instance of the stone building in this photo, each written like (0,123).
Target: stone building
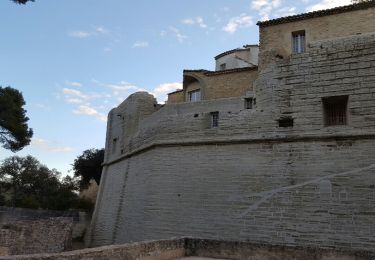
(235,73)
(296,168)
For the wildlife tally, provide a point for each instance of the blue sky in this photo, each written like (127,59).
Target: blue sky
(74,60)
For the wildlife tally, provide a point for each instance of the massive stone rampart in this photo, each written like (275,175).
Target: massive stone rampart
(250,179)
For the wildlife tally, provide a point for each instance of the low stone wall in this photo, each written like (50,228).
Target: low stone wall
(177,248)
(81,220)
(36,236)
(151,250)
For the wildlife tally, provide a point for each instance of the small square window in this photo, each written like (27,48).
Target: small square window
(223,66)
(335,110)
(249,102)
(286,122)
(194,95)
(298,42)
(214,119)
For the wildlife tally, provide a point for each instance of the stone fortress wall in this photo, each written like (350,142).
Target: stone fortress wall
(167,173)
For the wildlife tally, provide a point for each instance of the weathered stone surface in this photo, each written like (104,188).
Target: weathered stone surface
(190,248)
(81,220)
(276,39)
(215,85)
(36,236)
(249,179)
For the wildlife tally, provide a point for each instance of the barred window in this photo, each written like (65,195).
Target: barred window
(214,119)
(223,66)
(194,95)
(298,42)
(335,110)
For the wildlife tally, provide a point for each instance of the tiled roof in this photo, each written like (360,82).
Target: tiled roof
(212,73)
(337,10)
(245,48)
(176,91)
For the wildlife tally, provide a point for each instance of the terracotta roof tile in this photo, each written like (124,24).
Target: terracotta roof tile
(212,73)
(176,91)
(337,10)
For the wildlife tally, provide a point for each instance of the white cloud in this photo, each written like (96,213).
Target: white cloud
(237,22)
(326,4)
(74,100)
(73,84)
(100,30)
(121,90)
(89,111)
(265,7)
(140,44)
(180,37)
(195,21)
(50,146)
(161,91)
(285,11)
(75,94)
(79,34)
(85,110)
(122,86)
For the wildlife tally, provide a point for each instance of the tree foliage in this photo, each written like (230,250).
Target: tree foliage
(27,183)
(22,1)
(14,131)
(89,166)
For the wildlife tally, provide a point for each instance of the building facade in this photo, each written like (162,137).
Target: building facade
(288,159)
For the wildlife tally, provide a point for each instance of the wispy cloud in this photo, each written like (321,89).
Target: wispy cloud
(73,84)
(140,44)
(100,30)
(122,89)
(326,4)
(75,96)
(119,91)
(49,146)
(79,34)
(89,111)
(195,21)
(180,37)
(237,22)
(265,7)
(285,11)
(163,33)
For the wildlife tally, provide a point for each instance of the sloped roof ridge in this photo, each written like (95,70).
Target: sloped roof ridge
(314,14)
